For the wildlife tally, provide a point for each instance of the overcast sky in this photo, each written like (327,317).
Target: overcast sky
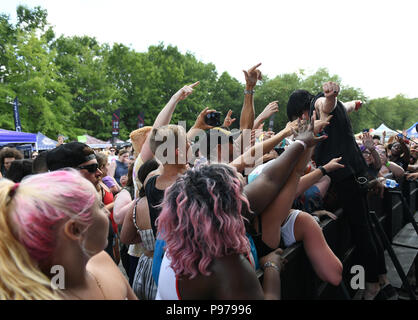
(372,45)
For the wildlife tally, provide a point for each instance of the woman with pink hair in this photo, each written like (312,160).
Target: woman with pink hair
(207,252)
(53,234)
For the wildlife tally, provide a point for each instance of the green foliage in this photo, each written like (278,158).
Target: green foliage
(72,85)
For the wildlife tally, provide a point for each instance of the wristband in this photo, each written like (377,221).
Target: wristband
(302,143)
(388,164)
(270,264)
(324,172)
(248,91)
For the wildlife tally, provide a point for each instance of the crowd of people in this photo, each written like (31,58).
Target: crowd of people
(193,214)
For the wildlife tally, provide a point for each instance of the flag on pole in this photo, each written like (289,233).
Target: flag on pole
(115,123)
(140,120)
(18,126)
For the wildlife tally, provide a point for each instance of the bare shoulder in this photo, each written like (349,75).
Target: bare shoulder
(230,271)
(142,203)
(123,196)
(102,262)
(152,174)
(111,280)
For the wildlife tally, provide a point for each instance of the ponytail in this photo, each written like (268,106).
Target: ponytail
(20,277)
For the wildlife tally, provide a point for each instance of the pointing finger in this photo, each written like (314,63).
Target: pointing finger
(194,84)
(255,67)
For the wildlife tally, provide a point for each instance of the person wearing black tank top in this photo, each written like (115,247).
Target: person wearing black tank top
(341,142)
(156,184)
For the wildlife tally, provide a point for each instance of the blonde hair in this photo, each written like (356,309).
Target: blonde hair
(20,277)
(166,132)
(29,213)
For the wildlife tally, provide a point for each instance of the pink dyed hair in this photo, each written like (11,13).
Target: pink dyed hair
(42,201)
(201,219)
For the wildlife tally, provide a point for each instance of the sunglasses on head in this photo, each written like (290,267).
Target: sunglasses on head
(92,168)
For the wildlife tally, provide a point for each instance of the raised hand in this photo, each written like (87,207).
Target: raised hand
(186,91)
(228,120)
(368,141)
(252,76)
(270,109)
(200,122)
(291,126)
(268,135)
(331,89)
(333,165)
(305,133)
(359,104)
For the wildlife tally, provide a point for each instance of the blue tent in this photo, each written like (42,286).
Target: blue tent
(7,136)
(412,131)
(45,143)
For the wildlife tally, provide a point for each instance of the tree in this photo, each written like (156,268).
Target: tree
(28,72)
(82,66)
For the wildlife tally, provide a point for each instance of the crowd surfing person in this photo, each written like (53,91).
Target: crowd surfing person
(54,221)
(341,142)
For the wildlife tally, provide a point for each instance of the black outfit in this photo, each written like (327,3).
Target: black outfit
(372,172)
(341,142)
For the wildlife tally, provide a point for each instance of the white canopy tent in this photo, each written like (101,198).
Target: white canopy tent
(389,132)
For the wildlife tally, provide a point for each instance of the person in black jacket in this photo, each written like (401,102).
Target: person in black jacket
(341,143)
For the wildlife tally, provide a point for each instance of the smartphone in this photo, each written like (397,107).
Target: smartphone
(213,119)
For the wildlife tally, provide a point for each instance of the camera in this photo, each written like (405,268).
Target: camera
(213,119)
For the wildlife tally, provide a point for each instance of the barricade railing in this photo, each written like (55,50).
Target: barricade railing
(298,279)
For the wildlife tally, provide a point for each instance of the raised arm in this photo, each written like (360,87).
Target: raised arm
(369,144)
(327,104)
(351,106)
(405,150)
(313,177)
(228,121)
(268,111)
(247,112)
(199,124)
(164,117)
(247,159)
(268,184)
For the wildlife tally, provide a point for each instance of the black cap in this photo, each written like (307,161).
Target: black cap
(69,155)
